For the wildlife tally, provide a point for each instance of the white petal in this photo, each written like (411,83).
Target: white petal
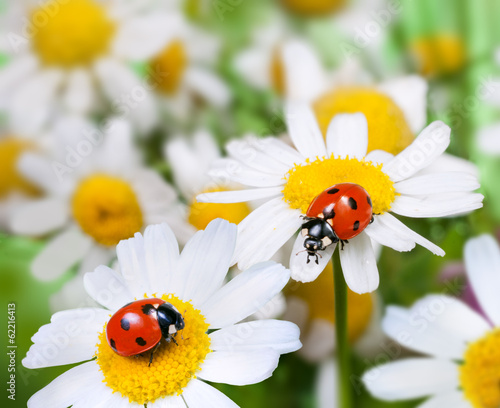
(208,85)
(359,264)
(281,336)
(174,401)
(347,135)
(275,150)
(238,196)
(245,294)
(488,139)
(71,337)
(229,170)
(379,157)
(482,260)
(198,394)
(455,399)
(304,130)
(410,94)
(429,207)
(204,262)
(319,340)
(437,183)
(384,236)
(67,389)
(60,254)
(253,65)
(17,71)
(304,268)
(107,287)
(412,378)
(71,295)
(79,96)
(425,149)
(326,385)
(449,163)
(39,217)
(248,367)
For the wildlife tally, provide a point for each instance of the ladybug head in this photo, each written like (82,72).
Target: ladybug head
(319,234)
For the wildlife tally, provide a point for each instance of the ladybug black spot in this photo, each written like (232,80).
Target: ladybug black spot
(146,309)
(352,203)
(140,341)
(333,191)
(113,344)
(125,324)
(356,225)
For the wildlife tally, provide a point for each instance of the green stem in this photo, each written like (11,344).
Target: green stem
(343,352)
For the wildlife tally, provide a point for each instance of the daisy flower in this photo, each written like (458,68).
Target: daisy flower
(96,193)
(463,347)
(213,346)
(290,178)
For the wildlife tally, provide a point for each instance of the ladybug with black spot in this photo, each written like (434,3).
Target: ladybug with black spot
(337,214)
(141,325)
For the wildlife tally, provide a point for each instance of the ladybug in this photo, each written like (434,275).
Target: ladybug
(337,214)
(140,326)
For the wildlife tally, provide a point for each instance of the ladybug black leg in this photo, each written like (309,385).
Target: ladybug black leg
(173,339)
(373,219)
(152,353)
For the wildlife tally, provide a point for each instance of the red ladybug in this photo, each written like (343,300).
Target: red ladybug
(139,326)
(337,214)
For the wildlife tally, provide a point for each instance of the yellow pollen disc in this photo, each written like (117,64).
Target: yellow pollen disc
(319,296)
(71,33)
(480,373)
(200,214)
(10,179)
(313,7)
(168,68)
(173,365)
(305,182)
(107,209)
(277,71)
(387,126)
(439,54)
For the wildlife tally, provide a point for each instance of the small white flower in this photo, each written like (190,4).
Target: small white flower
(213,346)
(463,347)
(290,178)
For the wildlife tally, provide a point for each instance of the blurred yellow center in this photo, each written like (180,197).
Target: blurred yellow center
(278,73)
(71,33)
(107,209)
(305,181)
(319,296)
(173,365)
(200,214)
(480,373)
(439,54)
(10,179)
(387,126)
(168,68)
(313,7)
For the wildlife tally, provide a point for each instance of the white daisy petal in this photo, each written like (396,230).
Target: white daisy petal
(304,130)
(281,336)
(60,254)
(437,184)
(39,217)
(429,145)
(449,163)
(412,378)
(235,368)
(326,386)
(232,170)
(208,85)
(379,157)
(245,294)
(347,135)
(107,287)
(359,264)
(276,149)
(304,268)
(482,260)
(101,396)
(79,96)
(238,196)
(489,139)
(205,260)
(199,394)
(455,399)
(384,236)
(253,65)
(69,338)
(319,340)
(16,71)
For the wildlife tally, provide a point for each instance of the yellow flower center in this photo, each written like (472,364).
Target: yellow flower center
(71,33)
(480,373)
(107,209)
(313,7)
(277,71)
(168,68)
(173,366)
(387,126)
(200,214)
(319,296)
(305,181)
(439,54)
(10,178)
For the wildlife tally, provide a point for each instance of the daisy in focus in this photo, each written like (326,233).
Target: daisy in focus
(192,283)
(463,346)
(96,193)
(290,178)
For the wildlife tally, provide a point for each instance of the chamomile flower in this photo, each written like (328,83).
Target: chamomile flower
(97,193)
(463,347)
(212,347)
(290,178)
